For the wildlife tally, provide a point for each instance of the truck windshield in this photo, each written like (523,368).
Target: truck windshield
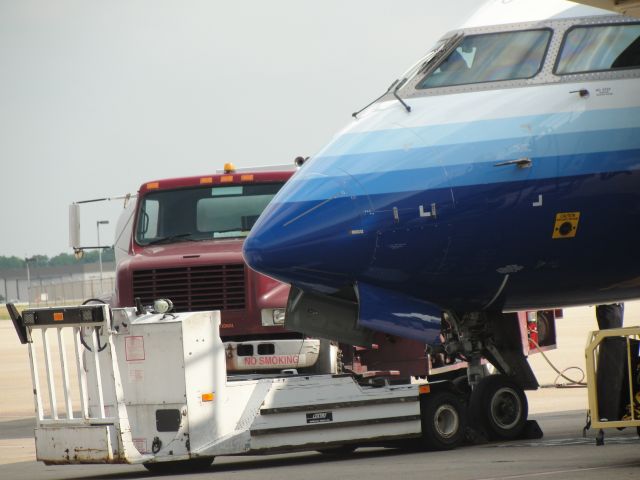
(201,213)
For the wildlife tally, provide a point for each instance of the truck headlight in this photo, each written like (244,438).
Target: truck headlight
(272,317)
(278,316)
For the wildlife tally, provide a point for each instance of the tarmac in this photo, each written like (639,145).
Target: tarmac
(560,410)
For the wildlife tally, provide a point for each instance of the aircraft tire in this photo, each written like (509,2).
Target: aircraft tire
(179,466)
(443,420)
(500,406)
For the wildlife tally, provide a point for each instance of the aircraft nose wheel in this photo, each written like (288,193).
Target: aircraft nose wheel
(500,406)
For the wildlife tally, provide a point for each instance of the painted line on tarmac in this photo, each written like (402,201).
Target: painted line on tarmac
(560,442)
(561,472)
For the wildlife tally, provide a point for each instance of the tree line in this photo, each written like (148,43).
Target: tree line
(59,260)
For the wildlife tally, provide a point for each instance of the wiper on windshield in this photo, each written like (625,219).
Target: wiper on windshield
(355,114)
(230,230)
(220,233)
(445,49)
(429,62)
(393,88)
(183,237)
(395,94)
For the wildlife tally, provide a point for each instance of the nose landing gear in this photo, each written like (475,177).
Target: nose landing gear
(499,406)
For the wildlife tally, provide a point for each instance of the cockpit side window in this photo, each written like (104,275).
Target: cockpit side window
(491,57)
(599,48)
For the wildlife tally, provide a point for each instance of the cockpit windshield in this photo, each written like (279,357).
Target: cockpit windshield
(598,48)
(491,57)
(434,54)
(201,213)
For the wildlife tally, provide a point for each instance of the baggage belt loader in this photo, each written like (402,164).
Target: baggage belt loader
(152,388)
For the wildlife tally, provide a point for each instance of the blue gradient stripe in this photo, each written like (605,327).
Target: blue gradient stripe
(563,145)
(433,177)
(503,128)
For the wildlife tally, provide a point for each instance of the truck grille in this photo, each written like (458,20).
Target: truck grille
(211,287)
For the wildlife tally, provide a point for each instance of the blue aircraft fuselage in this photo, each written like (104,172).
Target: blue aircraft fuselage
(518,194)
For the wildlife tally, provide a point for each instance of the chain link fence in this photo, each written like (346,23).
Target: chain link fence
(70,292)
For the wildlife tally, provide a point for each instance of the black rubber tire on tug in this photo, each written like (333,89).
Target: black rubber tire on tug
(341,451)
(180,466)
(443,420)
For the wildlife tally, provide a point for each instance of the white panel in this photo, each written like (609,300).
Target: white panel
(73,444)
(205,373)
(152,363)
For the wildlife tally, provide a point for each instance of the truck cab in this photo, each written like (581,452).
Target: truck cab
(182,240)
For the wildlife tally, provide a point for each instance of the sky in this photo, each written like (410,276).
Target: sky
(99,97)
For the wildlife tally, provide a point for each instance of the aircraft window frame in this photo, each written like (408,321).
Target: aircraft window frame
(541,65)
(565,36)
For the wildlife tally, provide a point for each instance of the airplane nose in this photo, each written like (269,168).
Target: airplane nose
(317,237)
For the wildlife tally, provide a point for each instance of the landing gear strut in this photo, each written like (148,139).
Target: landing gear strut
(497,403)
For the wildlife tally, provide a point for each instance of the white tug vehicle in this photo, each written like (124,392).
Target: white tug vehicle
(152,389)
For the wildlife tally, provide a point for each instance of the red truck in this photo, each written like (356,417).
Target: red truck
(182,240)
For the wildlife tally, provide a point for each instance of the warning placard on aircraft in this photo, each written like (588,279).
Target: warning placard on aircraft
(566,225)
